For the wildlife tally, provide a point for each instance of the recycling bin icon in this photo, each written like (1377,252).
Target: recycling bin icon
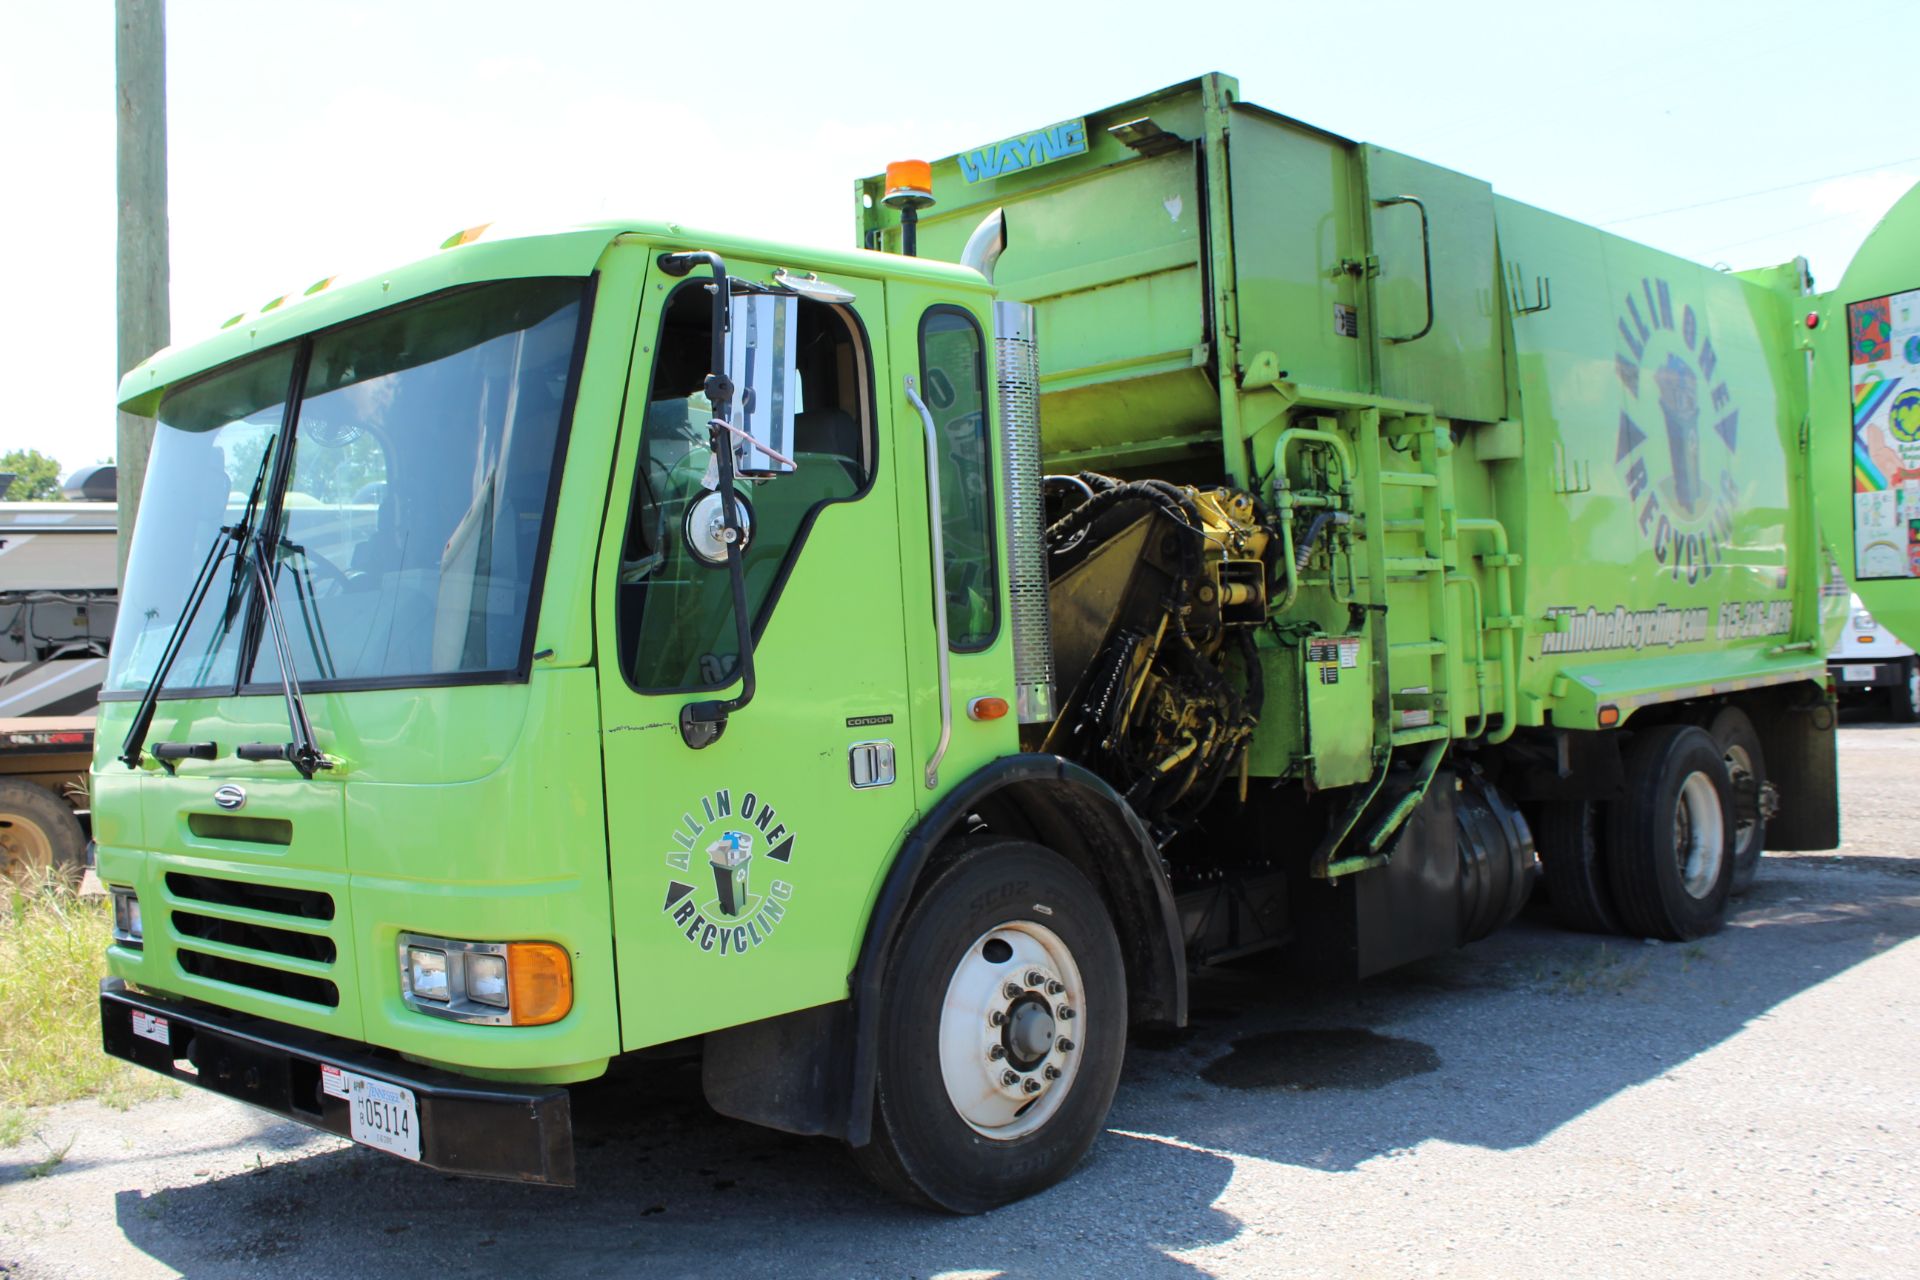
(732,858)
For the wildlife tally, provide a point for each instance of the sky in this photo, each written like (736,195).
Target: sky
(332,137)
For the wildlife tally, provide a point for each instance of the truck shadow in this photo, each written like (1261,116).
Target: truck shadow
(1499,1044)
(1495,1046)
(666,1187)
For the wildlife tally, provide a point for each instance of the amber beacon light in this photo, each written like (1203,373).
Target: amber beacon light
(909,189)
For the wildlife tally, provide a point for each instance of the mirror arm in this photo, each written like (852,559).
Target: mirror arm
(702,723)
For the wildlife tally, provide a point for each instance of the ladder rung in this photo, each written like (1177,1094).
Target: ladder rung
(1500,562)
(1412,479)
(1411,647)
(1414,564)
(1427,733)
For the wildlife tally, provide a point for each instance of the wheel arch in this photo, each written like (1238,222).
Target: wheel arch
(1073,812)
(813,1071)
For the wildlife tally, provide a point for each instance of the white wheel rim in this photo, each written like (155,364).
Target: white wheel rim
(1010,1046)
(1913,689)
(1699,835)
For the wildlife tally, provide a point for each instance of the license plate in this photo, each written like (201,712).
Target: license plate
(1858,674)
(382,1115)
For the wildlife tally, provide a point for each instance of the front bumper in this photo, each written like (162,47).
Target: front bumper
(1859,675)
(467,1126)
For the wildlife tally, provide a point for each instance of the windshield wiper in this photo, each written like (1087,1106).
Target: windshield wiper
(231,536)
(303,753)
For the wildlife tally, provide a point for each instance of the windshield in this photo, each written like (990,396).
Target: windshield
(407,526)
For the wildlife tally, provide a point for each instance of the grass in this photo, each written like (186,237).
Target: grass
(1601,971)
(52,957)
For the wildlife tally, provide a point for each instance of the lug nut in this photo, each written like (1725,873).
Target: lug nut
(1029,1085)
(997,1018)
(995,1053)
(1012,991)
(1053,1072)
(1009,1078)
(1064,1013)
(1064,1045)
(1036,978)
(1055,988)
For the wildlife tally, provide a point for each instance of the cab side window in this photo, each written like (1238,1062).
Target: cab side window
(675,627)
(954,382)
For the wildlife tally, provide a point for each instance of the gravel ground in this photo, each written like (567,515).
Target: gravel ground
(1539,1103)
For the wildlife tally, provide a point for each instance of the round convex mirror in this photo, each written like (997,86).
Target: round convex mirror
(707,527)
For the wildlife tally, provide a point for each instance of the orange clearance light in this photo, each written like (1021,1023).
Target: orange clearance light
(986,708)
(1609,716)
(909,185)
(467,236)
(540,982)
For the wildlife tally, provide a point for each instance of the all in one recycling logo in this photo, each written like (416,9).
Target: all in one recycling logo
(716,906)
(1679,433)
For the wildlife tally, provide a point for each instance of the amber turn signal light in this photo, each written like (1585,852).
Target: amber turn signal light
(986,708)
(541,976)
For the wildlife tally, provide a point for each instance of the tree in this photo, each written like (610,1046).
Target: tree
(36,476)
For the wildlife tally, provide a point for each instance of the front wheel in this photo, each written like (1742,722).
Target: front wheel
(1002,1026)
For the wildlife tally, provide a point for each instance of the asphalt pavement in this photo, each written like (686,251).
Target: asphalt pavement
(1539,1103)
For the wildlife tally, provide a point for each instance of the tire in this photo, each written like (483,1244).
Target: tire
(1572,850)
(1747,774)
(1670,841)
(39,836)
(948,1133)
(1904,698)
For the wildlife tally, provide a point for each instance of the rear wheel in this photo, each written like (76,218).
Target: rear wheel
(1670,841)
(1002,1026)
(1752,795)
(39,836)
(1573,862)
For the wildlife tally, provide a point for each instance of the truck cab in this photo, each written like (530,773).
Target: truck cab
(417,774)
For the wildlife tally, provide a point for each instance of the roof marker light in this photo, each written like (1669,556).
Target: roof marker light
(468,236)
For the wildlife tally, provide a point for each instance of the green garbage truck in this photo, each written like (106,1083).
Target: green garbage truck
(1173,536)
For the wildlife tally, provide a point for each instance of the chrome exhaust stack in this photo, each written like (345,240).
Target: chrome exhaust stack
(1017,366)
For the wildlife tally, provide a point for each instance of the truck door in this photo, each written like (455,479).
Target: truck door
(940,344)
(1865,420)
(741,871)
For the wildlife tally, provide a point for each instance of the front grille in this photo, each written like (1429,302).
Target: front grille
(256,937)
(295,986)
(307,904)
(230,931)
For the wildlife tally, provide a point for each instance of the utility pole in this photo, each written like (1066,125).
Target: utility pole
(140,63)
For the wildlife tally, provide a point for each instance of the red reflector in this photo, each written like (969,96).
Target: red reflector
(1813,319)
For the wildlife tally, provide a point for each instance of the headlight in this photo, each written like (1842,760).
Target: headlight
(1864,621)
(487,978)
(524,984)
(126,916)
(426,974)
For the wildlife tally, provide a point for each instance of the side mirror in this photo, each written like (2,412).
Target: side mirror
(763,364)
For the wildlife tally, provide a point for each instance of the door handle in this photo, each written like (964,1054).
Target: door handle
(1426,261)
(939,582)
